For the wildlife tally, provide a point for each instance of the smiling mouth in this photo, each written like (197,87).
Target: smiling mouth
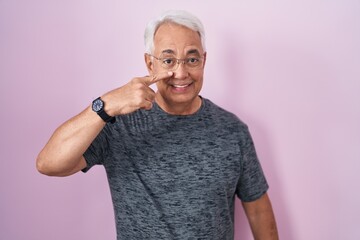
(181,86)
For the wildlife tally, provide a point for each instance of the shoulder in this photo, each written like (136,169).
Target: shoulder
(227,124)
(222,116)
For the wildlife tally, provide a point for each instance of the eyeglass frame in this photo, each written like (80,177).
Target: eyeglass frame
(178,61)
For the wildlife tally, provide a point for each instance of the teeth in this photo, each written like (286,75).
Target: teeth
(180,86)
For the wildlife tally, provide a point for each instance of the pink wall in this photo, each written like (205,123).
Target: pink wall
(290,69)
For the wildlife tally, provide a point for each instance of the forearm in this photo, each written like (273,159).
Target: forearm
(63,152)
(261,219)
(263,226)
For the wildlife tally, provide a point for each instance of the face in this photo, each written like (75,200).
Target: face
(182,89)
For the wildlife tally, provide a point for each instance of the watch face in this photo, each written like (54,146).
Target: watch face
(97,105)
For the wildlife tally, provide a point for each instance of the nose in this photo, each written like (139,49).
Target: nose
(181,72)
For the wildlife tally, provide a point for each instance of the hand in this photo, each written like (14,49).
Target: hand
(135,95)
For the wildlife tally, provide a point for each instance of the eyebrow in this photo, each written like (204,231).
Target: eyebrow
(168,51)
(191,51)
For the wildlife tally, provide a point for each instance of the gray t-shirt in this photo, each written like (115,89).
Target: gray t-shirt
(176,177)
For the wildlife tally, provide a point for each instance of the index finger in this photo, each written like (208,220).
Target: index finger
(157,77)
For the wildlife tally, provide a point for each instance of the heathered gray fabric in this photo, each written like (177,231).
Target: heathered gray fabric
(176,177)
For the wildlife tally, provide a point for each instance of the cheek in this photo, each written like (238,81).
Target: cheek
(160,85)
(156,68)
(197,76)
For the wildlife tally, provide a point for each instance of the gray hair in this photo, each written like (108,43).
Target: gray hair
(179,17)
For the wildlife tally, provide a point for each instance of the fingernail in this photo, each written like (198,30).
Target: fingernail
(170,73)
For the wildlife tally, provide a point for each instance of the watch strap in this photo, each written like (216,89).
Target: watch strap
(106,117)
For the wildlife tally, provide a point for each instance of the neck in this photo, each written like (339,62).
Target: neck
(174,108)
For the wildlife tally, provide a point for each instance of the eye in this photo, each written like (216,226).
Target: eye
(192,60)
(168,61)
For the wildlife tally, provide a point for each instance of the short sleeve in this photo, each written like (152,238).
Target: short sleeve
(98,149)
(252,183)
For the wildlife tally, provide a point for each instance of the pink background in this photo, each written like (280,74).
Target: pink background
(289,69)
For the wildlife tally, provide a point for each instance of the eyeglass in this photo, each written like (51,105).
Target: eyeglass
(172,63)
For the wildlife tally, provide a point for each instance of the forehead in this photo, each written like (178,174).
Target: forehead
(171,37)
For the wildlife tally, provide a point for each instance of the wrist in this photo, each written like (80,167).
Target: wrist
(98,106)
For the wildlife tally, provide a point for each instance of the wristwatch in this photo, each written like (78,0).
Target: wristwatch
(98,107)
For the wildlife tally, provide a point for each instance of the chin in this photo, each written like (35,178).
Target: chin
(181,98)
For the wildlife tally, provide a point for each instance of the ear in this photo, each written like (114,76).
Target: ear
(149,63)
(205,53)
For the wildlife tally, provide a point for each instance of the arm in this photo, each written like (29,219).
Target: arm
(63,154)
(261,218)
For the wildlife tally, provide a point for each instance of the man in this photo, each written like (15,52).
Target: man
(174,160)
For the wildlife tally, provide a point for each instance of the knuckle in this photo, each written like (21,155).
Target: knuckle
(137,86)
(147,105)
(136,80)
